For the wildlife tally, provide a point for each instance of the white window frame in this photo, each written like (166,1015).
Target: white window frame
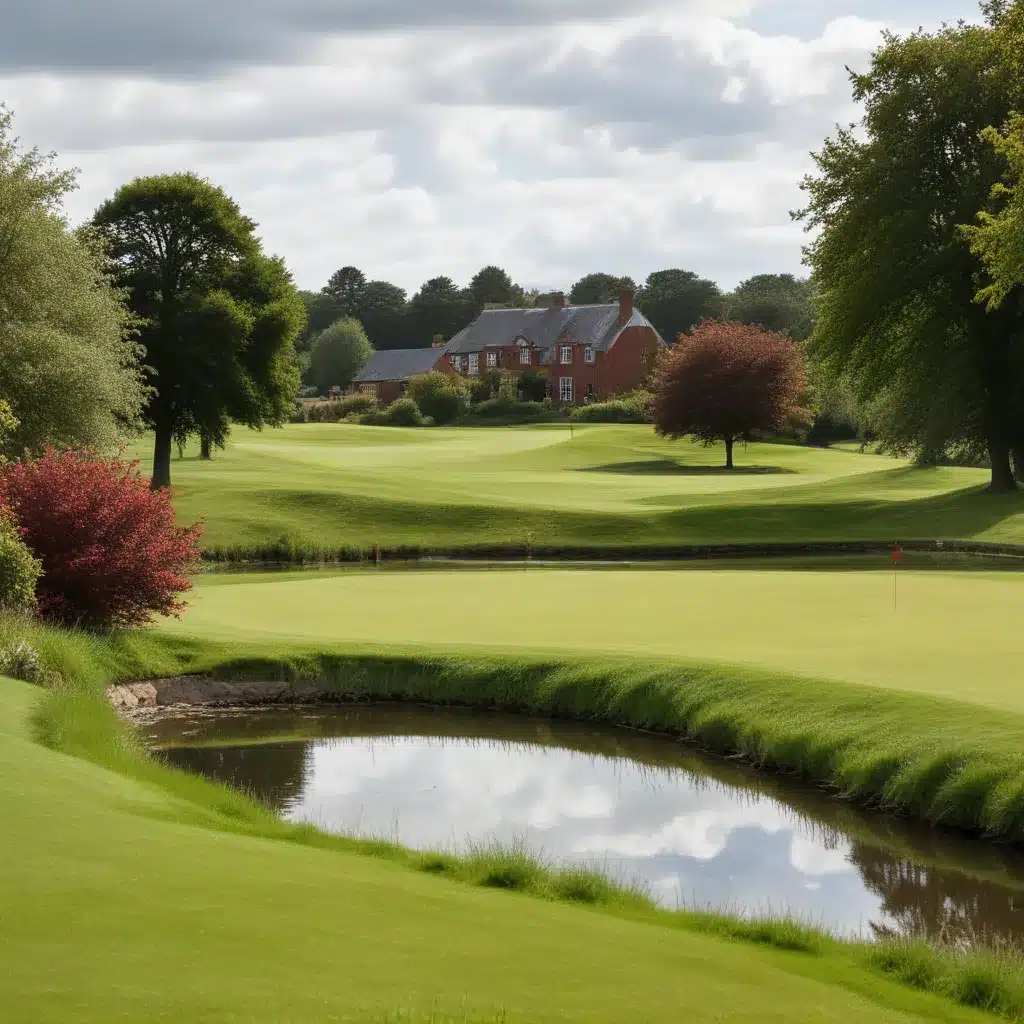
(456,362)
(643,354)
(368,389)
(588,354)
(565,389)
(474,363)
(565,355)
(492,360)
(524,355)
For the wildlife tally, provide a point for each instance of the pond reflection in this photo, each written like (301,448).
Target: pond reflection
(695,830)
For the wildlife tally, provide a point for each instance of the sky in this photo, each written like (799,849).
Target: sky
(413,139)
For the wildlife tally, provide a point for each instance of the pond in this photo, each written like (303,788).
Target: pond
(693,830)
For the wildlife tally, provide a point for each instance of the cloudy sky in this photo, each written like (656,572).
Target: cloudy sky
(554,137)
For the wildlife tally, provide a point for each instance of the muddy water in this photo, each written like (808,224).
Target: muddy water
(694,830)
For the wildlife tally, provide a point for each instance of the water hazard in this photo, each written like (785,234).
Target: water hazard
(693,830)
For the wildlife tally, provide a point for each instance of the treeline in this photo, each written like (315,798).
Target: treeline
(675,301)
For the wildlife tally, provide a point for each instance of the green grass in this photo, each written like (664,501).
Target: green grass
(953,635)
(134,892)
(329,486)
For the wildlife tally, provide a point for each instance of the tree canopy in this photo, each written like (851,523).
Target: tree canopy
(219,316)
(69,371)
(675,301)
(897,279)
(338,354)
(726,380)
(346,287)
(776,302)
(593,289)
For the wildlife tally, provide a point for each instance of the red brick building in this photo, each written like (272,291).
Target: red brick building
(386,373)
(587,352)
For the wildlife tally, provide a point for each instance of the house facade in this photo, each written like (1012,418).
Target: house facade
(386,374)
(588,353)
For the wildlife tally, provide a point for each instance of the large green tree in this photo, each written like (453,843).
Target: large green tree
(383,313)
(675,301)
(69,371)
(776,302)
(593,289)
(346,287)
(219,316)
(439,308)
(338,354)
(897,280)
(492,285)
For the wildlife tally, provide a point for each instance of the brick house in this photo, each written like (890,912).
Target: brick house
(386,373)
(587,352)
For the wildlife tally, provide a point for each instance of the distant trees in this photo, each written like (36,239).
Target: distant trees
(725,381)
(593,289)
(776,302)
(219,318)
(896,311)
(675,301)
(337,355)
(493,286)
(69,369)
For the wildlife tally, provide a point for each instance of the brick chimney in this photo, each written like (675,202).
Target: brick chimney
(625,305)
(556,300)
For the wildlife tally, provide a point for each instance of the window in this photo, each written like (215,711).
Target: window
(565,354)
(565,389)
(524,355)
(368,389)
(643,355)
(492,359)
(590,391)
(588,354)
(474,363)
(456,362)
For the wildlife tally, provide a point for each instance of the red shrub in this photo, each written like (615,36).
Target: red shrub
(111,553)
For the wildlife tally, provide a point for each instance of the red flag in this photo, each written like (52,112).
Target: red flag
(897,554)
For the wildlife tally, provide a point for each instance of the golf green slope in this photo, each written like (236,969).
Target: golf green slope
(952,635)
(117,905)
(333,485)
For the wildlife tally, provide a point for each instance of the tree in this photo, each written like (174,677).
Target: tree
(897,280)
(382,312)
(220,318)
(776,302)
(725,381)
(441,397)
(493,286)
(321,311)
(675,301)
(346,288)
(338,354)
(69,370)
(593,289)
(439,307)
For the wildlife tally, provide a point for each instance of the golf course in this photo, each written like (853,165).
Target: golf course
(133,891)
(316,487)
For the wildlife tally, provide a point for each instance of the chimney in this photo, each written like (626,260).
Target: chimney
(556,300)
(625,305)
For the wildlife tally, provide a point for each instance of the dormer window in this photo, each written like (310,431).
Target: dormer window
(492,360)
(565,354)
(524,355)
(588,354)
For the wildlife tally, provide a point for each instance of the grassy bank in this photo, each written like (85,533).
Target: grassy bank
(315,488)
(126,869)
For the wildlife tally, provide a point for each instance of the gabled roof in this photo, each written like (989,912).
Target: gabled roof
(597,326)
(399,364)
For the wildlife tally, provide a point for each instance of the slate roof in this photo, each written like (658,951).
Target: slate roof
(399,364)
(597,326)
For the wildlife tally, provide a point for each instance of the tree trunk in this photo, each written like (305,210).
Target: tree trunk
(162,459)
(1002,473)
(728,453)
(204,448)
(1018,462)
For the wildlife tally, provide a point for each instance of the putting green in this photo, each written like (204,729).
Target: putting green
(116,906)
(338,484)
(951,634)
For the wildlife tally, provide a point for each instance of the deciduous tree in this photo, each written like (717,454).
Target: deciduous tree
(725,381)
(593,289)
(675,301)
(69,370)
(897,280)
(338,354)
(776,302)
(220,317)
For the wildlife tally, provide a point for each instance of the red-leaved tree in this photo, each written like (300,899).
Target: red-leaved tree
(726,380)
(112,555)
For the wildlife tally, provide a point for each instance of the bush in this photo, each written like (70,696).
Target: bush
(504,409)
(21,661)
(19,571)
(634,407)
(444,399)
(533,386)
(401,413)
(110,551)
(339,409)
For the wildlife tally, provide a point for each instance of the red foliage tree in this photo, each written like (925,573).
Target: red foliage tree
(111,553)
(726,380)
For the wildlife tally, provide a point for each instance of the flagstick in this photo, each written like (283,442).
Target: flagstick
(894,588)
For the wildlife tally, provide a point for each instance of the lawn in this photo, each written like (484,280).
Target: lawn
(331,485)
(124,901)
(951,635)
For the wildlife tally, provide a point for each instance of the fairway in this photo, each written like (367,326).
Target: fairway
(337,484)
(118,905)
(952,635)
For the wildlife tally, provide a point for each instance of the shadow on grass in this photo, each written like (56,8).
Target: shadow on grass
(669,466)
